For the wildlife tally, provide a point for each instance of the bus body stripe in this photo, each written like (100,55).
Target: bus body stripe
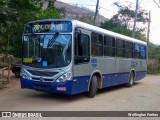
(79,84)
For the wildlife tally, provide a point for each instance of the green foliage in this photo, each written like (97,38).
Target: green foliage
(115,27)
(47,14)
(121,22)
(154,51)
(123,31)
(21,5)
(109,24)
(125,15)
(14,15)
(153,72)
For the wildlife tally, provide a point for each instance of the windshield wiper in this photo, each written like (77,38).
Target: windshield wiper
(51,41)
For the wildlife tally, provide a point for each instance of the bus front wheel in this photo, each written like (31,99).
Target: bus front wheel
(131,80)
(93,87)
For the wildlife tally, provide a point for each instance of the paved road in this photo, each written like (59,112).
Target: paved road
(143,96)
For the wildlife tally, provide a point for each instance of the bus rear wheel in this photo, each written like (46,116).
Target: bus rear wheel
(131,80)
(93,87)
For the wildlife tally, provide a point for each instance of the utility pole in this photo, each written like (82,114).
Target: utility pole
(135,19)
(148,32)
(95,15)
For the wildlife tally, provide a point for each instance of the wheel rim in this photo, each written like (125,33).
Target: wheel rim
(131,79)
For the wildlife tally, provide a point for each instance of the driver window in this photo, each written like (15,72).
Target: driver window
(82,48)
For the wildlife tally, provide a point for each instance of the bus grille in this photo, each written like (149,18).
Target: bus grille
(44,79)
(42,73)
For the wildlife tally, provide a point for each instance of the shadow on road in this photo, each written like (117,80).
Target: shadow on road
(116,88)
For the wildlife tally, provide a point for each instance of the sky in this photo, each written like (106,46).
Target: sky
(107,9)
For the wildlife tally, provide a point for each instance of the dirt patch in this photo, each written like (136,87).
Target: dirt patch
(11,86)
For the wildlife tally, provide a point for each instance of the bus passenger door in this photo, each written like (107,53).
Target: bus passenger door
(81,67)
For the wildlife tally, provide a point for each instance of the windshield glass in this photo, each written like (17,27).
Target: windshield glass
(49,51)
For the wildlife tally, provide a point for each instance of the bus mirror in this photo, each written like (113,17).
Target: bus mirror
(78,34)
(78,31)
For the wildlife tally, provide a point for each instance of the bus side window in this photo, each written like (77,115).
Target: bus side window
(109,46)
(143,52)
(136,51)
(120,48)
(97,44)
(82,48)
(129,49)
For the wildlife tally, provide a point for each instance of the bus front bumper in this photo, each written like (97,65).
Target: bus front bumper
(70,87)
(50,87)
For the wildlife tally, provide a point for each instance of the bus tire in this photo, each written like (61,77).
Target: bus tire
(93,87)
(131,80)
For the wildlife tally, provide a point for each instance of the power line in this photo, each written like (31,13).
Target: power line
(106,9)
(100,7)
(81,4)
(92,5)
(95,2)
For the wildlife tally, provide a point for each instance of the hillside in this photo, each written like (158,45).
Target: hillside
(82,14)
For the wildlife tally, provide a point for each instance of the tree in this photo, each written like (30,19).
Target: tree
(125,16)
(14,15)
(109,24)
(128,33)
(122,21)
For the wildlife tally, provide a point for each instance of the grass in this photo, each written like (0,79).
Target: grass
(153,72)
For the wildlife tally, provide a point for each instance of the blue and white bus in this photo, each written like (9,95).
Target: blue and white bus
(71,57)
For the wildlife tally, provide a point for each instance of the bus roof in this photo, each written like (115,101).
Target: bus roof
(77,23)
(106,32)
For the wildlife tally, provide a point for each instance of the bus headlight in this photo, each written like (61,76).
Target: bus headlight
(24,75)
(64,77)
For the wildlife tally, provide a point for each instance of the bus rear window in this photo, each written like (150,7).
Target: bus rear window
(49,27)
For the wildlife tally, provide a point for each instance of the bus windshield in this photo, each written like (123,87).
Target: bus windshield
(46,50)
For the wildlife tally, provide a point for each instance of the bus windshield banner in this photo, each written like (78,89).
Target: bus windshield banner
(48,27)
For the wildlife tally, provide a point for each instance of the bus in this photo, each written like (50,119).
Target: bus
(71,57)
